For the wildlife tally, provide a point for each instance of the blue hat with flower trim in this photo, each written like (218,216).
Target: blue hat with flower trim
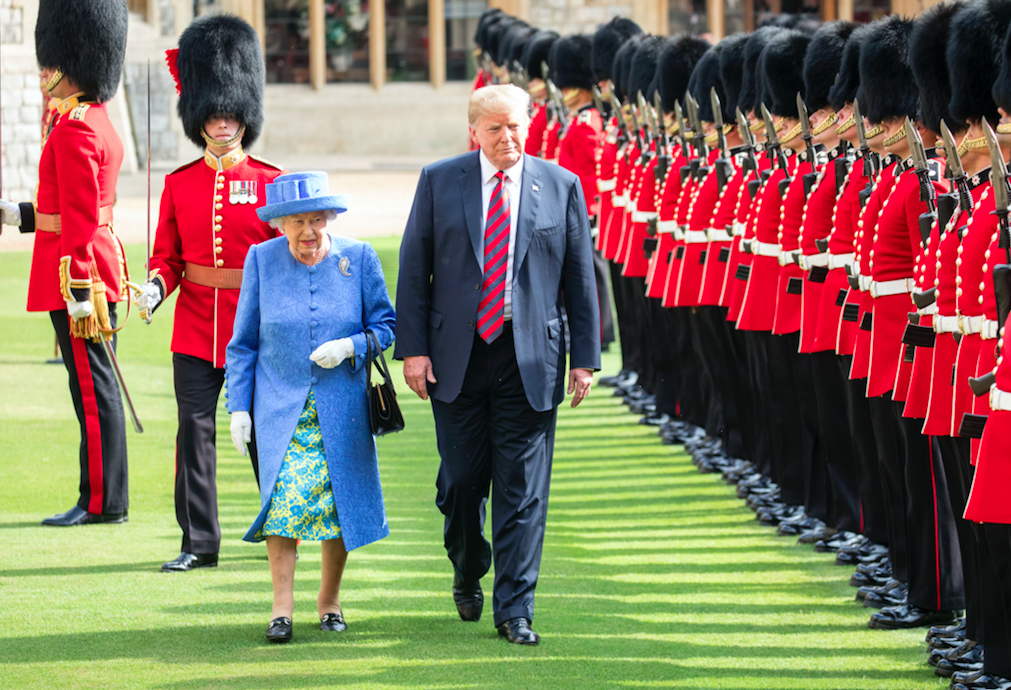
(301,192)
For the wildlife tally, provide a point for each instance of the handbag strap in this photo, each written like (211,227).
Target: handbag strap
(379,361)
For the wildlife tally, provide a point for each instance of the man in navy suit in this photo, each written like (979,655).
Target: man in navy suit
(496,244)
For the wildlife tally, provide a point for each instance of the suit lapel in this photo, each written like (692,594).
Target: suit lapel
(470,188)
(530,201)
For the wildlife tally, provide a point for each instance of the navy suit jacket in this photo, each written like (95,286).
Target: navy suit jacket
(439,286)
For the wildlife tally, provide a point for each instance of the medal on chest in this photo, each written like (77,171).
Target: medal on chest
(242,192)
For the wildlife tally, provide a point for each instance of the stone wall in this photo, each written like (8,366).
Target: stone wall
(164,140)
(576,16)
(20,105)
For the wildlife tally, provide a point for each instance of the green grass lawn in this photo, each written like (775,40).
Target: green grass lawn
(653,575)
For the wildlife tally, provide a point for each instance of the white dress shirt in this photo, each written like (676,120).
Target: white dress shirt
(513,184)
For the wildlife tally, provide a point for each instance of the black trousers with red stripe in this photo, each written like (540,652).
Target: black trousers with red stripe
(95,391)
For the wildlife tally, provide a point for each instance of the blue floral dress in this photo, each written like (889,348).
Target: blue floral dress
(302,505)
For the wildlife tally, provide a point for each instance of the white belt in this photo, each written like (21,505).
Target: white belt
(679,234)
(764,248)
(968,325)
(719,235)
(695,236)
(744,245)
(812,260)
(928,310)
(1000,401)
(739,228)
(630,206)
(945,324)
(666,226)
(887,288)
(643,216)
(786,258)
(840,260)
(607,185)
(988,331)
(619,200)
(864,282)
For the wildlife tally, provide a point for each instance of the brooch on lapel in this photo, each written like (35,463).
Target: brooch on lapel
(344,266)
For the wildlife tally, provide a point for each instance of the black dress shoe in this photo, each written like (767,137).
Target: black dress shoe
(907,616)
(936,656)
(875,578)
(945,643)
(984,681)
(966,677)
(279,630)
(613,381)
(890,595)
(469,600)
(835,542)
(190,561)
(972,660)
(517,631)
(957,628)
(333,622)
(77,516)
(890,584)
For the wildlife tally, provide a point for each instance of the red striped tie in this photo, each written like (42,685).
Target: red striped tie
(491,310)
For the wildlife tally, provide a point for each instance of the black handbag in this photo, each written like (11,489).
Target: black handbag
(384,412)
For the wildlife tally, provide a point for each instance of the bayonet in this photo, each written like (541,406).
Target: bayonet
(723,165)
(698,164)
(750,162)
(999,181)
(488,68)
(927,191)
(679,120)
(598,101)
(805,133)
(955,170)
(772,144)
(663,146)
(865,150)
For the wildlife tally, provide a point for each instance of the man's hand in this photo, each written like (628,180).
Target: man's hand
(10,213)
(147,299)
(418,374)
(79,310)
(580,381)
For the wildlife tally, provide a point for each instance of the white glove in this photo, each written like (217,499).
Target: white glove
(242,431)
(147,299)
(333,352)
(79,310)
(10,212)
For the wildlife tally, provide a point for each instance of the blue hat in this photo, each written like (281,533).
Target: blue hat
(301,192)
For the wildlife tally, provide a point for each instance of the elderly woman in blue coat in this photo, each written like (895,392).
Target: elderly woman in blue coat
(296,367)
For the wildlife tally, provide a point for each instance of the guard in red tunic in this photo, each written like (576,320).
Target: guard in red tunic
(206,225)
(78,266)
(535,52)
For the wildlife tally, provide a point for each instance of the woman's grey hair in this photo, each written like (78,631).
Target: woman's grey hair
(497,100)
(278,223)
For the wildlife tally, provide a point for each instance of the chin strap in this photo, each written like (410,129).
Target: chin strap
(211,141)
(55,80)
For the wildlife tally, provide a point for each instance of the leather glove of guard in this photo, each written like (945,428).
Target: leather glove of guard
(333,352)
(79,310)
(10,213)
(147,299)
(242,431)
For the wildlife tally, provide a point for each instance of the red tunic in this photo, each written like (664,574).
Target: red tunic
(758,309)
(641,209)
(819,214)
(739,268)
(535,135)
(549,151)
(199,224)
(718,251)
(579,153)
(918,394)
(619,200)
(791,276)
(668,196)
(78,171)
(680,220)
(699,213)
(607,169)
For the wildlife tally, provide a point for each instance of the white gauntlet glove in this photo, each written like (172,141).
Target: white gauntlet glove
(333,352)
(79,310)
(10,212)
(242,431)
(147,299)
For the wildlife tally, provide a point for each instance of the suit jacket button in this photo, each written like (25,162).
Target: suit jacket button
(314,380)
(313,307)
(470,323)
(477,286)
(313,343)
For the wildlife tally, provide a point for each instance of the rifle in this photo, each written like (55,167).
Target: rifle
(955,171)
(999,181)
(772,144)
(623,133)
(870,158)
(805,128)
(648,128)
(598,101)
(698,164)
(723,165)
(683,132)
(750,162)
(486,64)
(663,148)
(927,191)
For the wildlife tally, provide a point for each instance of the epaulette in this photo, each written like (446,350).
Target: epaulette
(266,162)
(187,165)
(79,112)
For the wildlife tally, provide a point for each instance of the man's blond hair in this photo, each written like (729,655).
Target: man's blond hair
(497,100)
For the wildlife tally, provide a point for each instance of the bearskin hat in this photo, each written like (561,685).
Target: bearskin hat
(1002,87)
(515,40)
(606,42)
(572,62)
(782,65)
(643,66)
(535,51)
(928,40)
(495,33)
(220,70)
(507,37)
(705,76)
(622,62)
(488,17)
(732,73)
(677,61)
(821,63)
(887,88)
(975,36)
(86,39)
(847,85)
(750,96)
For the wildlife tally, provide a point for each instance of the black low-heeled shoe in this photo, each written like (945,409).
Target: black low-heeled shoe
(333,622)
(279,630)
